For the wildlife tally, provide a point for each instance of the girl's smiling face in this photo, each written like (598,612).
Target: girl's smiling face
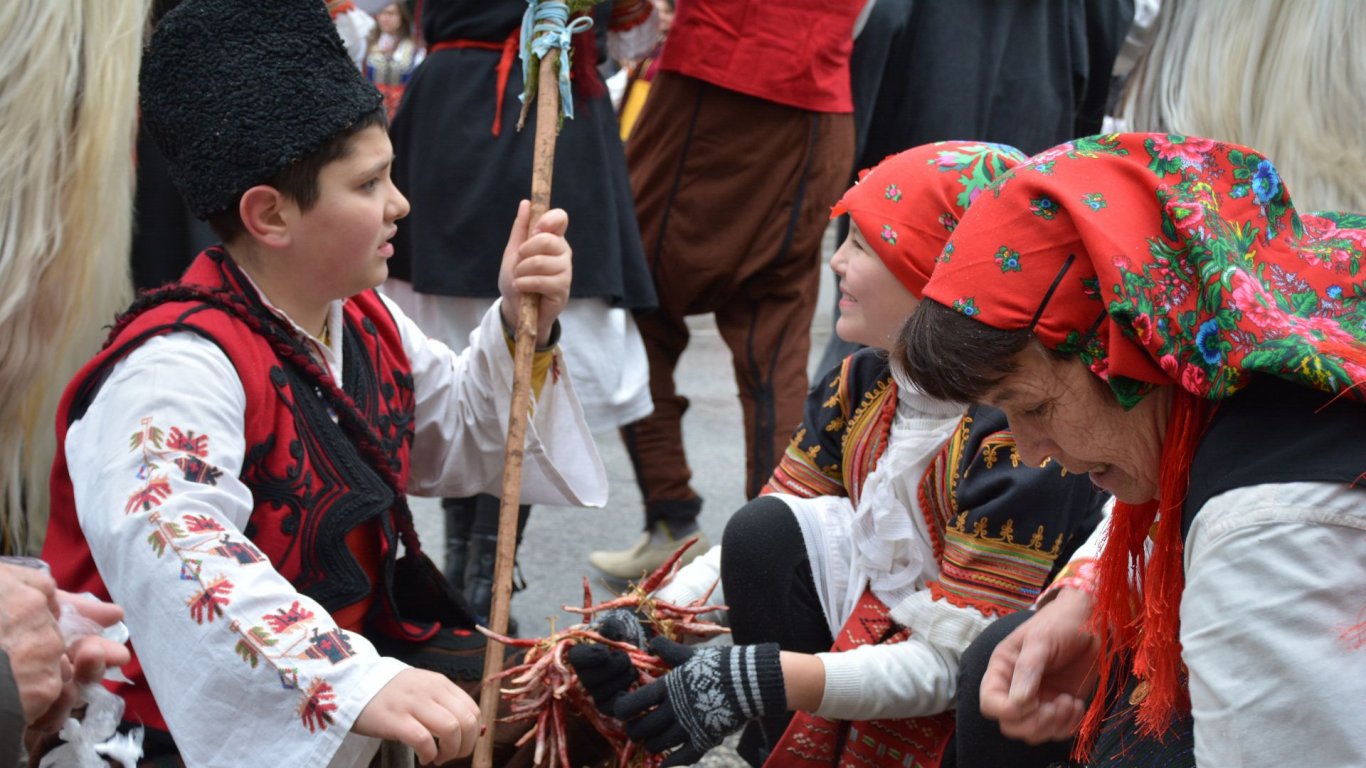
(873,302)
(1058,409)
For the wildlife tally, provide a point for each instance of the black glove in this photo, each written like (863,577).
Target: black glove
(607,672)
(710,693)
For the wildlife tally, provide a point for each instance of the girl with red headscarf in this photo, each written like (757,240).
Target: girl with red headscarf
(895,529)
(1152,311)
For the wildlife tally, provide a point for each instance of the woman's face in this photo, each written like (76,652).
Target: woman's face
(390,19)
(1058,409)
(873,303)
(665,10)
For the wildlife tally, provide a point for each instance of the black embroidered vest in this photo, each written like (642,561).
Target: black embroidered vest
(1275,431)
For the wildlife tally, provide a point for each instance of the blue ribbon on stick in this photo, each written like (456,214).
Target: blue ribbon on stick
(544,26)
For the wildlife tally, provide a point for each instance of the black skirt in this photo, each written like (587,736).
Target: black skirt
(464,183)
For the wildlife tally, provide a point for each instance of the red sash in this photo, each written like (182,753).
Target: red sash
(916,742)
(509,48)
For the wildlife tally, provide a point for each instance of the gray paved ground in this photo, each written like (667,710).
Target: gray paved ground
(554,552)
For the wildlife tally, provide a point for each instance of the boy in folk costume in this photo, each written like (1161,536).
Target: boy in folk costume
(895,529)
(234,464)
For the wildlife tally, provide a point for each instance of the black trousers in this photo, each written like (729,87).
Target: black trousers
(979,740)
(772,597)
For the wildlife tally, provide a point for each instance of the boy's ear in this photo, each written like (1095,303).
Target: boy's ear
(264,215)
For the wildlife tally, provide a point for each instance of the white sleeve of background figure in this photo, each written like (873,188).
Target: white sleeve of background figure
(1273,626)
(354,28)
(222,637)
(461,419)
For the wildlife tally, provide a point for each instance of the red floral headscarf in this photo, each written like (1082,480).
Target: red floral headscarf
(1162,260)
(908,204)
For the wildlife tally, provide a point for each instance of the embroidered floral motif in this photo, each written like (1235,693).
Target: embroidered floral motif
(1232,280)
(200,540)
(948,221)
(197,471)
(333,645)
(188,442)
(318,706)
(966,305)
(207,604)
(1090,288)
(150,495)
(893,193)
(889,234)
(286,619)
(1172,154)
(979,166)
(1090,147)
(992,444)
(250,650)
(201,523)
(1008,260)
(240,551)
(1043,208)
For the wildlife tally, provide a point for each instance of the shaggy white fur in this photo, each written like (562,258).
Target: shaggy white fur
(1285,77)
(67,117)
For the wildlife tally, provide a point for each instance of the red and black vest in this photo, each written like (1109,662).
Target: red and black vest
(325,518)
(793,52)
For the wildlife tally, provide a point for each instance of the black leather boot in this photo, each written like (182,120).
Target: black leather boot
(483,556)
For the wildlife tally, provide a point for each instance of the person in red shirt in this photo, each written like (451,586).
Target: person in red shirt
(744,144)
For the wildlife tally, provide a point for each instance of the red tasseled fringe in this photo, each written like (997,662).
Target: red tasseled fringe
(1150,635)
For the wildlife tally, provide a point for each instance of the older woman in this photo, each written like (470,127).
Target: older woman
(1152,311)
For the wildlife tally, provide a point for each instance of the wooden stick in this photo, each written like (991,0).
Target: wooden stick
(543,168)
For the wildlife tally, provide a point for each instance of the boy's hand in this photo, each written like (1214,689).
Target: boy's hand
(427,712)
(539,264)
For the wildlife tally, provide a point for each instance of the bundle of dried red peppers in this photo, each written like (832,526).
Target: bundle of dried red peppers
(545,689)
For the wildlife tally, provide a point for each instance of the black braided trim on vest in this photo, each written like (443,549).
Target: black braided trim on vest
(290,349)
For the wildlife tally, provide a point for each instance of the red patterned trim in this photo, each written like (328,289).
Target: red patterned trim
(508,47)
(915,742)
(866,438)
(994,574)
(936,492)
(1079,574)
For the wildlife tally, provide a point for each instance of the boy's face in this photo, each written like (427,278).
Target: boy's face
(343,240)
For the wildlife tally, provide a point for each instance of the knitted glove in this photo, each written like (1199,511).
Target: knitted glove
(607,672)
(710,693)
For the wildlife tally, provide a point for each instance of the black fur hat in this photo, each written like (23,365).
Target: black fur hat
(233,91)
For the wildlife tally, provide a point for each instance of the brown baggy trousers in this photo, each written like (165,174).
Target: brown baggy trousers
(733,195)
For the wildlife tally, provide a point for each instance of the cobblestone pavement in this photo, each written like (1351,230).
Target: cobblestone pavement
(553,555)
